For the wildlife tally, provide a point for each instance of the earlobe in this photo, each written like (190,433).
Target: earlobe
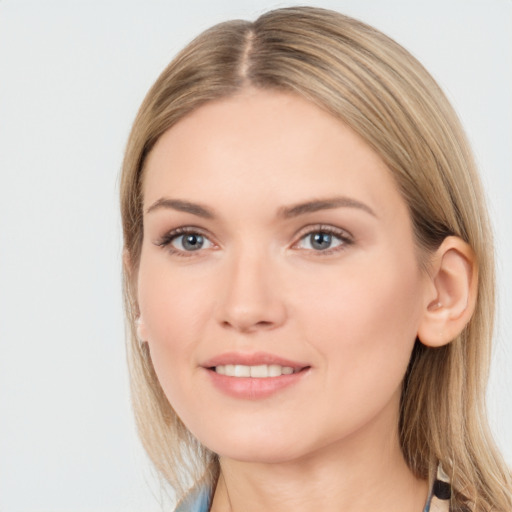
(450,300)
(131,276)
(141,331)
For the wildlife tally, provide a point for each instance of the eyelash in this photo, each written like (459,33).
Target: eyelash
(342,235)
(172,235)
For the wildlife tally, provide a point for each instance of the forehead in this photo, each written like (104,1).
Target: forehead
(267,147)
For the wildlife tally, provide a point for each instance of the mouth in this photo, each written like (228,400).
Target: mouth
(258,365)
(261,371)
(254,376)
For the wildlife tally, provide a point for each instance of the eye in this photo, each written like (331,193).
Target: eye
(190,242)
(183,240)
(320,241)
(324,239)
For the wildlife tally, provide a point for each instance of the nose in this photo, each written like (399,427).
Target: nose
(251,299)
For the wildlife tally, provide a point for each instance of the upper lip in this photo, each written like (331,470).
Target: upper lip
(251,359)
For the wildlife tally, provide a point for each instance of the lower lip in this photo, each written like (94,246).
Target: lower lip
(251,388)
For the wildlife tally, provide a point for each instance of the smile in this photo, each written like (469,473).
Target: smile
(254,376)
(261,371)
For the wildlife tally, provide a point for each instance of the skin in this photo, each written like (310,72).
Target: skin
(350,313)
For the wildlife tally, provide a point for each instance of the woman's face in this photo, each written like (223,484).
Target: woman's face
(276,241)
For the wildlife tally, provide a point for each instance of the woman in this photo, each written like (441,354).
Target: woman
(308,276)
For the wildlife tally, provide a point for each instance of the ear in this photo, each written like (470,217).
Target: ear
(141,330)
(127,262)
(450,298)
(131,276)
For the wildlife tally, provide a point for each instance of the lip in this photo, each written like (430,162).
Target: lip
(252,359)
(250,388)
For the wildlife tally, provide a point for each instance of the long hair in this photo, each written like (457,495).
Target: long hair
(376,87)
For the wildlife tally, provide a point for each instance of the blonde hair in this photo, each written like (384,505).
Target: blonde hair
(375,86)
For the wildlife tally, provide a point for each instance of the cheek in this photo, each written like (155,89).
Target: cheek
(173,308)
(170,297)
(365,296)
(170,309)
(364,324)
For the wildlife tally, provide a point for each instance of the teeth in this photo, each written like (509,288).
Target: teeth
(241,371)
(274,370)
(259,372)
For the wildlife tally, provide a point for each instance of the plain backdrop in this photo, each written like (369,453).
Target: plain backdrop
(72,75)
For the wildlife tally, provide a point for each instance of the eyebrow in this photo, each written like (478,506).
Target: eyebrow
(182,206)
(323,204)
(285,212)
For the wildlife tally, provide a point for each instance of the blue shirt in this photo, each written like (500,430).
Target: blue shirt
(197,500)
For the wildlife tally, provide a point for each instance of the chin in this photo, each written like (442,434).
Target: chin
(260,450)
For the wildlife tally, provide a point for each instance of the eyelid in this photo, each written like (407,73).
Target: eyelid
(326,228)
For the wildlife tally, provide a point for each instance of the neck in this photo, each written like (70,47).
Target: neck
(365,472)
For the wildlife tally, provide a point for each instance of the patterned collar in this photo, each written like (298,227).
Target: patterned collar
(440,494)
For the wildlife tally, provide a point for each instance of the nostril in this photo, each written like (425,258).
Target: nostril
(248,326)
(264,323)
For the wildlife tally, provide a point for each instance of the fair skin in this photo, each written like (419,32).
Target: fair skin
(298,252)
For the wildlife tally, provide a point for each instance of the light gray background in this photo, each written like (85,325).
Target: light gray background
(72,75)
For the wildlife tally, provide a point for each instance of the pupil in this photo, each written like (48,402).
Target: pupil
(192,242)
(321,241)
